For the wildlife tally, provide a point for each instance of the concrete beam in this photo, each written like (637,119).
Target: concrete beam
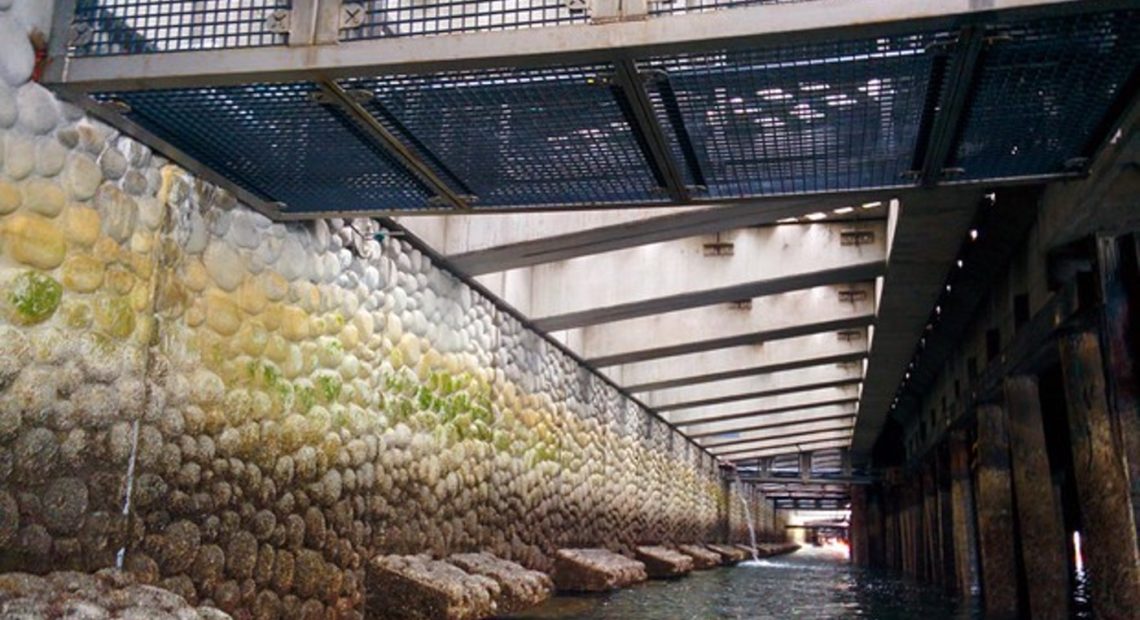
(793,449)
(772,317)
(772,356)
(792,430)
(769,421)
(740,388)
(676,275)
(784,441)
(762,405)
(490,242)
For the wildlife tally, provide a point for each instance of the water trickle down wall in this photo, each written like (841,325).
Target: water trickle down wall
(283,402)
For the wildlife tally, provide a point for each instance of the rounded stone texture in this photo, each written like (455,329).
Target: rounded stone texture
(65,504)
(9,519)
(224,266)
(34,241)
(10,198)
(83,176)
(8,110)
(43,197)
(17,58)
(36,452)
(39,113)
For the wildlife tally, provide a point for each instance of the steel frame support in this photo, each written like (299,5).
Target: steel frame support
(952,105)
(749,26)
(632,84)
(338,96)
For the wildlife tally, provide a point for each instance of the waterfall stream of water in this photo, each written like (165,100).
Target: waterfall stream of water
(748,518)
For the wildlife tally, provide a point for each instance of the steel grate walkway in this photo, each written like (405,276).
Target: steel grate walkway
(974,97)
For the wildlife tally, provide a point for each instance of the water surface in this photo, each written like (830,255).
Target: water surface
(811,583)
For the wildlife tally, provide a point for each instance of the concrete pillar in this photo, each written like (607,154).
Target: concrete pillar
(932,567)
(1109,533)
(962,501)
(1042,530)
(995,515)
(859,525)
(875,529)
(891,529)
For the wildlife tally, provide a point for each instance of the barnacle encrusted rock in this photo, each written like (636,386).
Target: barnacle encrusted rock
(520,587)
(420,588)
(729,554)
(595,570)
(702,557)
(662,562)
(106,594)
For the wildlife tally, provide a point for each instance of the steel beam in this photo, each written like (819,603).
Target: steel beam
(389,142)
(960,80)
(627,78)
(740,27)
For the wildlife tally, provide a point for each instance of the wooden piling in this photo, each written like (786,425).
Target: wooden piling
(859,525)
(995,515)
(1108,530)
(1041,528)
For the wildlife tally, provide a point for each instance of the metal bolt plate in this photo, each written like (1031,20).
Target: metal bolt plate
(278,21)
(352,15)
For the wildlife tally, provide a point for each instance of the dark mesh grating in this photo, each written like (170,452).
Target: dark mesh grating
(1043,90)
(825,117)
(274,141)
(149,26)
(406,18)
(552,136)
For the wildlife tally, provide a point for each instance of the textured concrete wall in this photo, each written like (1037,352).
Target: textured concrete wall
(282,402)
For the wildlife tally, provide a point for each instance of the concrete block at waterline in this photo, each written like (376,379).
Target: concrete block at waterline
(702,558)
(106,594)
(729,554)
(520,587)
(661,562)
(416,587)
(767,550)
(595,570)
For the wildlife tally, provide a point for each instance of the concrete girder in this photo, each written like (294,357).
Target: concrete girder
(791,449)
(770,421)
(928,232)
(740,388)
(769,443)
(749,360)
(491,242)
(795,313)
(763,261)
(712,443)
(763,405)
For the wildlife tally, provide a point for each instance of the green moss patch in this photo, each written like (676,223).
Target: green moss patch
(33,298)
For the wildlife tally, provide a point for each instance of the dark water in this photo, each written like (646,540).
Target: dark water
(811,583)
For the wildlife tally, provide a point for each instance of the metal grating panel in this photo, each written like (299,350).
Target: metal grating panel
(276,142)
(113,27)
(405,18)
(824,117)
(1043,90)
(551,136)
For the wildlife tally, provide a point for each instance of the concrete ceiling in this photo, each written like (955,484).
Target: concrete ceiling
(756,329)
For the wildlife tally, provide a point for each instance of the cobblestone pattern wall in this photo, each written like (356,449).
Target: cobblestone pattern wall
(279,402)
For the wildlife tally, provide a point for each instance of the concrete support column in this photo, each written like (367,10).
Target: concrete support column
(891,536)
(875,530)
(859,530)
(1109,532)
(1042,530)
(962,501)
(995,515)
(932,567)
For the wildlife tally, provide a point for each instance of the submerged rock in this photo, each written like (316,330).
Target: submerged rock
(729,554)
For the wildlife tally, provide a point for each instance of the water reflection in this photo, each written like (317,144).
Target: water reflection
(812,583)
